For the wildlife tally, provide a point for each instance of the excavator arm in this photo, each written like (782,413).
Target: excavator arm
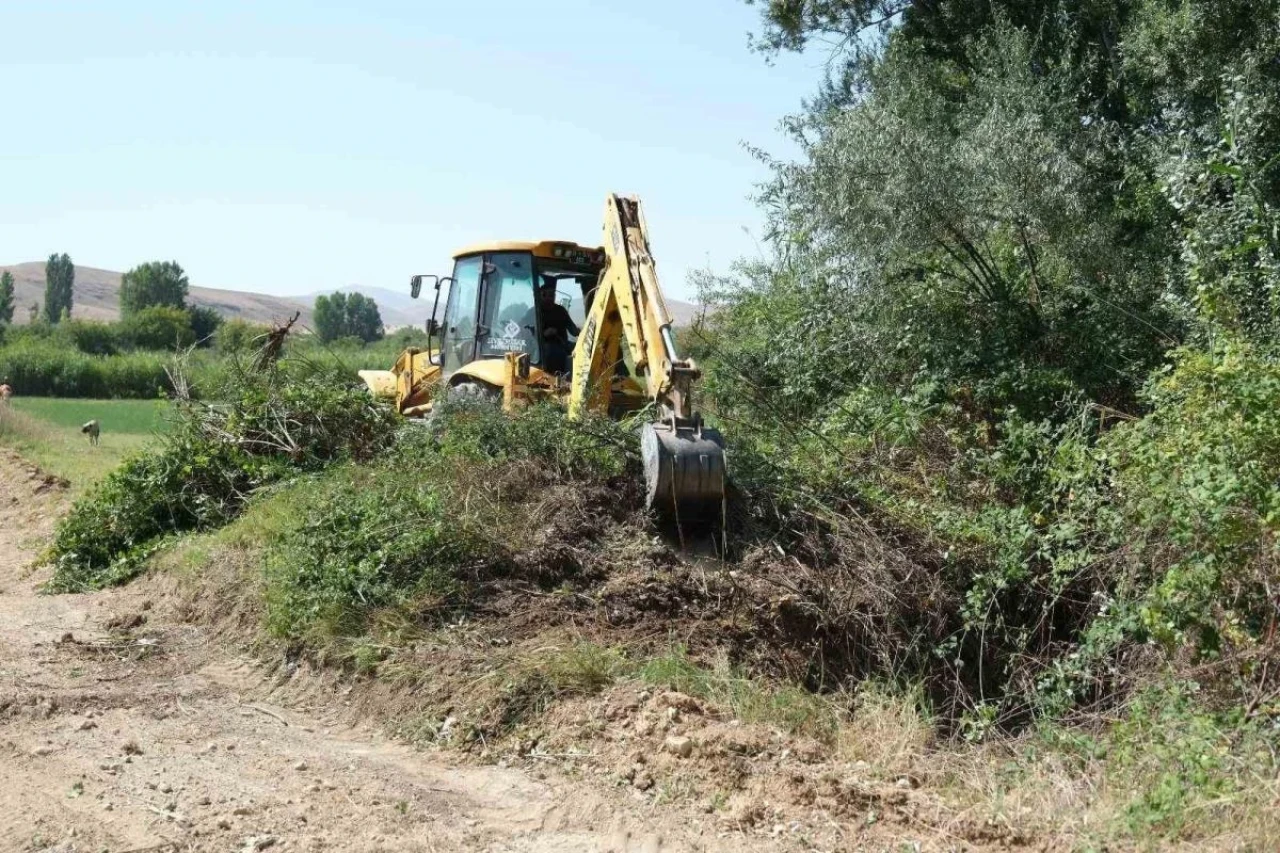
(683,459)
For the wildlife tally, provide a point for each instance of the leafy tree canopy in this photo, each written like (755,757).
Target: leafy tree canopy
(160,327)
(156,283)
(342,315)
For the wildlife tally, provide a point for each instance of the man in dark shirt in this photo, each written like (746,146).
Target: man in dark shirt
(557,325)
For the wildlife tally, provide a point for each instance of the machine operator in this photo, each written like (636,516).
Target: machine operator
(557,326)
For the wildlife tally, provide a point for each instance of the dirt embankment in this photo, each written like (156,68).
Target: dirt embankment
(130,721)
(124,728)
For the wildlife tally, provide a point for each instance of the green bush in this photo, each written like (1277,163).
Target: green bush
(92,337)
(267,426)
(190,484)
(367,539)
(158,328)
(1172,762)
(238,336)
(1198,483)
(416,527)
(204,323)
(47,368)
(37,331)
(593,448)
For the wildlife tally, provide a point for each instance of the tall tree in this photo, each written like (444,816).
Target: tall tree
(363,319)
(989,192)
(153,284)
(330,316)
(347,315)
(6,297)
(204,322)
(59,285)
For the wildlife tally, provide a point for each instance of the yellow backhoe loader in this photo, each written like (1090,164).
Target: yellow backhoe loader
(505,337)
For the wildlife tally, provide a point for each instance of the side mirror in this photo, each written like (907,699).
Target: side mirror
(415,284)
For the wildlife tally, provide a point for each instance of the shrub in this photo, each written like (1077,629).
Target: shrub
(419,526)
(276,424)
(204,323)
(366,541)
(158,328)
(188,485)
(46,368)
(238,336)
(593,448)
(37,331)
(91,337)
(1198,483)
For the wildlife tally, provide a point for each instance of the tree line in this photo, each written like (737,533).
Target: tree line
(1018,322)
(154,294)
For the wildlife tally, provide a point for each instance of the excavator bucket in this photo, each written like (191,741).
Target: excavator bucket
(684,472)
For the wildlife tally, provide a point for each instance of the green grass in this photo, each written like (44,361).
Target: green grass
(46,430)
(137,417)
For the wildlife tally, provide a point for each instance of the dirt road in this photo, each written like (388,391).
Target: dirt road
(122,728)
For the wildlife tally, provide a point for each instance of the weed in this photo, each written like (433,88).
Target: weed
(422,530)
(364,542)
(533,681)
(790,708)
(581,669)
(1174,760)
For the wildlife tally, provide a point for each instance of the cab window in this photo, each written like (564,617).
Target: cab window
(460,315)
(510,314)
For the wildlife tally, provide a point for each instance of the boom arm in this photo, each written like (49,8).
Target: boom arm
(683,460)
(629,306)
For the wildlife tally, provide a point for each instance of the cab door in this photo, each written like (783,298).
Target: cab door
(458,337)
(510,322)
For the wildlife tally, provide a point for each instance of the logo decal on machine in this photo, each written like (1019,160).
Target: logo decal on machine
(511,341)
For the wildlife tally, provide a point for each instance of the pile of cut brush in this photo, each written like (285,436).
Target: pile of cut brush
(262,428)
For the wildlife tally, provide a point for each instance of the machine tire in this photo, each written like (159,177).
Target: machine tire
(479,392)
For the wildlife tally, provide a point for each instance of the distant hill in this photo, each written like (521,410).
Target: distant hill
(97,297)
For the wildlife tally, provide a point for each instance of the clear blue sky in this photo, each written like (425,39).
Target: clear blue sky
(289,147)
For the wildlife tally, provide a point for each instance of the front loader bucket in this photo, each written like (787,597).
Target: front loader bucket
(381,383)
(684,472)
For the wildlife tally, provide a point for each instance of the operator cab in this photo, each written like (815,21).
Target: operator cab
(494,306)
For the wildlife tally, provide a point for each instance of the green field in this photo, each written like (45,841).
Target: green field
(115,416)
(47,431)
